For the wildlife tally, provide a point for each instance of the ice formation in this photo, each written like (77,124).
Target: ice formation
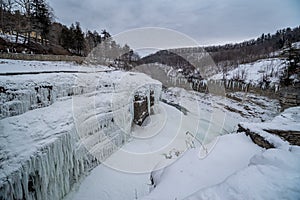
(54,131)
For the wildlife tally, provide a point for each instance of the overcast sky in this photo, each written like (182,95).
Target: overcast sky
(207,21)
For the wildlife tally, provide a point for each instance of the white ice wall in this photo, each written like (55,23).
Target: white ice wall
(46,151)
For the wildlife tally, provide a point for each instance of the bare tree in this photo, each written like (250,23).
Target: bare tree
(26,8)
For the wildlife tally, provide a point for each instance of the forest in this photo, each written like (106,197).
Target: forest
(34,29)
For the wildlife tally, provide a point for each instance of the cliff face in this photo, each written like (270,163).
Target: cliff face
(56,127)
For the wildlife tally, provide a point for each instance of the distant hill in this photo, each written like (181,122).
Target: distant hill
(213,59)
(167,57)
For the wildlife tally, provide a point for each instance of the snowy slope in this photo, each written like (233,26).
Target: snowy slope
(190,172)
(253,73)
(236,168)
(273,174)
(12,38)
(296,45)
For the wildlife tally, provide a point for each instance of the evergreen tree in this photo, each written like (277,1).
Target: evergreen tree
(79,39)
(41,18)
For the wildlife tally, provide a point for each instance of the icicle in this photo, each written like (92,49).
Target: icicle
(148,99)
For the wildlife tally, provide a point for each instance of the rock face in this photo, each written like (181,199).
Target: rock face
(63,127)
(293,137)
(141,107)
(290,96)
(282,131)
(256,138)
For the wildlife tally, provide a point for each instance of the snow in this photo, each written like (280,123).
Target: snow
(54,144)
(7,66)
(143,52)
(296,45)
(190,173)
(30,91)
(128,169)
(253,72)
(272,174)
(125,174)
(289,120)
(44,131)
(255,174)
(55,141)
(43,144)
(105,183)
(12,38)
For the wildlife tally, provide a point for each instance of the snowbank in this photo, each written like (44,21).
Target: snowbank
(236,168)
(190,173)
(272,174)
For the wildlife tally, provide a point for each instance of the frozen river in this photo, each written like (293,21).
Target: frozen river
(125,175)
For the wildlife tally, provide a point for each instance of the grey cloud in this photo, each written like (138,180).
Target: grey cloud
(208,21)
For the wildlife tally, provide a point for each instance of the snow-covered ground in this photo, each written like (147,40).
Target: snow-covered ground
(254,73)
(125,174)
(21,93)
(190,173)
(122,177)
(7,66)
(12,38)
(235,168)
(271,174)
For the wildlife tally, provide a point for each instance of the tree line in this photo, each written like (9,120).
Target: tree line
(25,17)
(251,50)
(33,20)
(218,58)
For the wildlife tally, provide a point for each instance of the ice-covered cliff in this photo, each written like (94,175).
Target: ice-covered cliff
(65,124)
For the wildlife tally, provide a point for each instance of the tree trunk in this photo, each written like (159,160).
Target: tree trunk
(25,38)
(17,37)
(29,36)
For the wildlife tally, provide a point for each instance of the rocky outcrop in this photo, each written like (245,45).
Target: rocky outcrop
(290,96)
(293,137)
(141,107)
(282,131)
(256,138)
